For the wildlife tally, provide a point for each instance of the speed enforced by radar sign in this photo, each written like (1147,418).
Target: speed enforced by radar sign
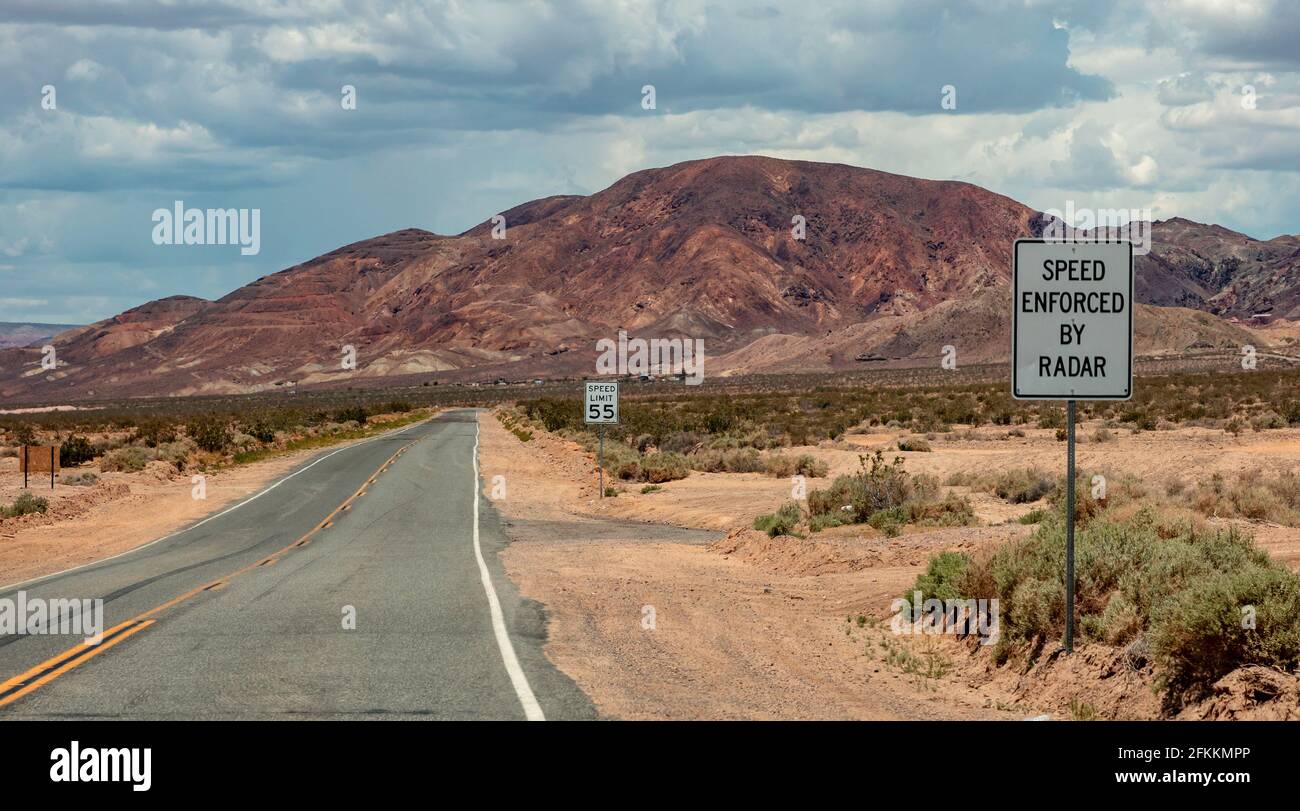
(1072,320)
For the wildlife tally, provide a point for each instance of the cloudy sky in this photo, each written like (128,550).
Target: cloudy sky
(463,109)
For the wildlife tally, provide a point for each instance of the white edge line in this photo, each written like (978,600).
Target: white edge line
(532,710)
(44,577)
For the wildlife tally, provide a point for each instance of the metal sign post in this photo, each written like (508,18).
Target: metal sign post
(1069,527)
(600,407)
(1071,339)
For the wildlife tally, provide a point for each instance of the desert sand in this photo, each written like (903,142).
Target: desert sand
(746,626)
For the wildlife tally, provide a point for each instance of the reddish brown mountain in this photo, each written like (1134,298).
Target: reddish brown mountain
(1212,268)
(702,249)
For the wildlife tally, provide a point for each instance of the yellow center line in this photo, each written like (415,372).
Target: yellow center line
(83,652)
(93,650)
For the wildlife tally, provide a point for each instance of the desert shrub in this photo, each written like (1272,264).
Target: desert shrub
(130,459)
(1268,420)
(81,478)
(888,521)
(650,488)
(1199,635)
(1147,577)
(810,466)
(1251,496)
(177,453)
(154,432)
(783,465)
(1052,418)
(352,413)
(912,444)
(397,407)
(261,430)
(75,450)
(779,465)
(657,468)
(1021,486)
(210,433)
(1102,435)
(781,522)
(103,445)
(726,461)
(25,504)
(622,462)
(817,523)
(1032,517)
(24,434)
(943,579)
(241,442)
(952,511)
(679,442)
(877,485)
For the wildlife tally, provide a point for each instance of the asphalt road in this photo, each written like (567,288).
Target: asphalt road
(243,614)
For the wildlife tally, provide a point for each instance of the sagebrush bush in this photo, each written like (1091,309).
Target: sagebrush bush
(81,478)
(1152,577)
(781,522)
(130,459)
(657,468)
(877,485)
(784,466)
(1200,634)
(25,504)
(745,460)
(1252,496)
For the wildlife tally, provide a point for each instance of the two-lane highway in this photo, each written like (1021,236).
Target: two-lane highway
(250,613)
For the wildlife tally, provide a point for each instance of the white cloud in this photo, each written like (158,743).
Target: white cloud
(87,70)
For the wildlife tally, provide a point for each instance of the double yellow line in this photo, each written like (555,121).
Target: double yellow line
(15,688)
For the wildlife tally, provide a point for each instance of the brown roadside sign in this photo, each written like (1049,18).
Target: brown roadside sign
(38,459)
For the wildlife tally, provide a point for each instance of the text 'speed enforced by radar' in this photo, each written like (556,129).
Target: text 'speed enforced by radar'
(1072,320)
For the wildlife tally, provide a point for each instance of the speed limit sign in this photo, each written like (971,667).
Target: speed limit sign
(600,406)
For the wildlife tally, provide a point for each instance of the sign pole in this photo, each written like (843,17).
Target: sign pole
(600,463)
(26,466)
(1069,527)
(1071,340)
(51,467)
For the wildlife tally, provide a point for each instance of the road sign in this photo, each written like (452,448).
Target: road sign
(39,459)
(600,406)
(1071,339)
(1072,320)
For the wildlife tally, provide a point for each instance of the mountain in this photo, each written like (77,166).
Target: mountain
(1211,268)
(14,334)
(890,265)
